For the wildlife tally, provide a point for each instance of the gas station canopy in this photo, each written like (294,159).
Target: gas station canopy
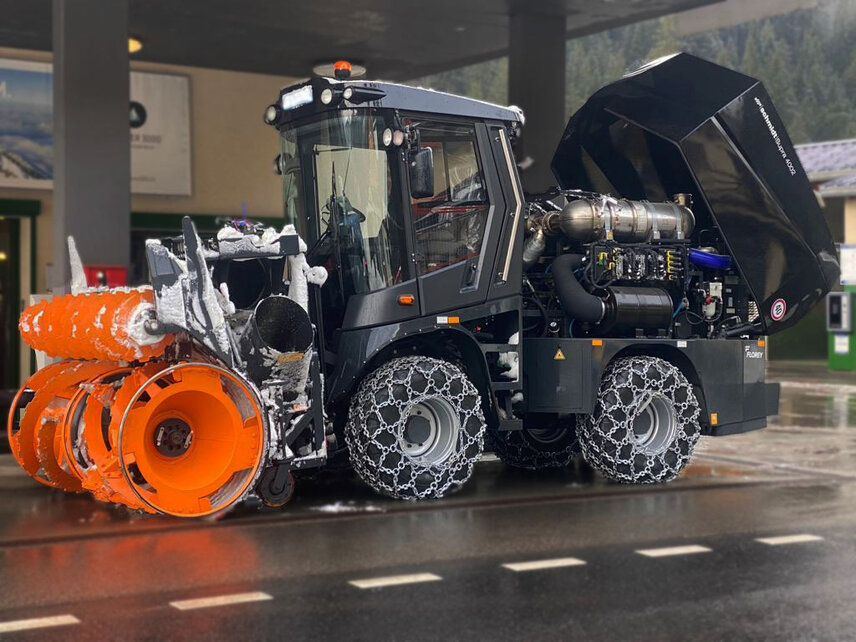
(395,40)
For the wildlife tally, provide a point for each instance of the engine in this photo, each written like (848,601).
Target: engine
(601,266)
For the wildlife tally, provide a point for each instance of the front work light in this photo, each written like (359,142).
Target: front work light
(327,96)
(272,114)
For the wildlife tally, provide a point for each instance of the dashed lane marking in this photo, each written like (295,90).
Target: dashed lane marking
(220,600)
(395,580)
(538,565)
(37,623)
(789,539)
(673,550)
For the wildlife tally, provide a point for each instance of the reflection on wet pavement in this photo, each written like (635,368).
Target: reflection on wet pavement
(813,433)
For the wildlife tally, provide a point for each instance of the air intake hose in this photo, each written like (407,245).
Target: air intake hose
(576,302)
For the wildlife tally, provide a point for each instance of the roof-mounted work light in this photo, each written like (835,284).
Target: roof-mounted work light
(296,98)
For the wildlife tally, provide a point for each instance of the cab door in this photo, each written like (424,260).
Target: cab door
(456,229)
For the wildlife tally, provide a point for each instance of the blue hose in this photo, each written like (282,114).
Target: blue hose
(710,260)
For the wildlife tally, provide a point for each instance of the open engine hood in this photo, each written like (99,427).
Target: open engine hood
(682,124)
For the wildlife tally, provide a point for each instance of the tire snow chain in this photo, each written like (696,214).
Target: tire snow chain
(606,436)
(377,419)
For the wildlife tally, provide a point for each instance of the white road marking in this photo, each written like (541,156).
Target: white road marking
(37,623)
(673,550)
(220,600)
(789,539)
(537,565)
(395,580)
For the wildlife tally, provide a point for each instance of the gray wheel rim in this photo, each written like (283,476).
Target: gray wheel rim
(430,431)
(654,424)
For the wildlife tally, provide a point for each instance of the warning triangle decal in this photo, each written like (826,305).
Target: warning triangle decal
(559,356)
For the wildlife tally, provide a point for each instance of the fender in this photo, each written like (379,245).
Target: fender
(362,350)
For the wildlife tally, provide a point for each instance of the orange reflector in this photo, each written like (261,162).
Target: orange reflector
(714,419)
(597,342)
(454,319)
(406,299)
(761,343)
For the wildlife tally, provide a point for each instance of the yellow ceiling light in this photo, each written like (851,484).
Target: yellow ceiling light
(134,45)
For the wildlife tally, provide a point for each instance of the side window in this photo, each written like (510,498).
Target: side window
(449,225)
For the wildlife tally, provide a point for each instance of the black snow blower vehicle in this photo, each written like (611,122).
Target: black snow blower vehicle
(418,307)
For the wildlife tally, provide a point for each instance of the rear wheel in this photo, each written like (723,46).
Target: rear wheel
(645,422)
(551,446)
(415,428)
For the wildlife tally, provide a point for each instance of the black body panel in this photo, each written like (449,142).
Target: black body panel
(359,348)
(687,125)
(729,376)
(381,307)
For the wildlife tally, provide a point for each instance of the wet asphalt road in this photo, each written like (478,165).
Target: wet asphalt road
(116,576)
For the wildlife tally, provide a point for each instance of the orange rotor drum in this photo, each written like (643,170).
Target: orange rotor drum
(187,440)
(22,441)
(191,440)
(91,449)
(86,445)
(106,324)
(36,436)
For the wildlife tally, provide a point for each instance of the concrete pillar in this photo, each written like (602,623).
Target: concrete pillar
(92,155)
(536,83)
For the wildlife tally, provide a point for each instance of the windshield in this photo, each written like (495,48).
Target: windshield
(341,190)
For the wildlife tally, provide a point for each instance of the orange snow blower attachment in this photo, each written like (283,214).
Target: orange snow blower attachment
(107,324)
(185,440)
(190,440)
(160,402)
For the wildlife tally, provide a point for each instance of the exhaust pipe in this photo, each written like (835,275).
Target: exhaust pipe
(589,219)
(277,343)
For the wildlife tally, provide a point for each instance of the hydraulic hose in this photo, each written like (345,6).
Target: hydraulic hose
(576,302)
(709,259)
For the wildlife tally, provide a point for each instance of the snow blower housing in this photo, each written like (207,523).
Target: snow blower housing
(618,316)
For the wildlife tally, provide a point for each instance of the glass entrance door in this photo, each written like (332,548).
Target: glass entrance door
(10,302)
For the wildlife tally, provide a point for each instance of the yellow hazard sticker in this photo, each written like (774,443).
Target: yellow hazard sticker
(559,356)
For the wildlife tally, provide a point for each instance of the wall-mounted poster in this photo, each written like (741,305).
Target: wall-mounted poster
(160,134)
(159,120)
(26,124)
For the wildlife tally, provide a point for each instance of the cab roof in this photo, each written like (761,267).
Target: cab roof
(305,99)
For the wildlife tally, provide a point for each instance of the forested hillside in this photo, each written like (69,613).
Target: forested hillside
(807,60)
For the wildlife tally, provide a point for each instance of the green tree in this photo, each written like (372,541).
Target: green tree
(666,40)
(806,60)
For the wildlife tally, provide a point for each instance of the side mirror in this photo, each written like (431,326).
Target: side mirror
(422,173)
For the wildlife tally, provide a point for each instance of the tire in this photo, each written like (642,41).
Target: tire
(645,422)
(415,428)
(553,446)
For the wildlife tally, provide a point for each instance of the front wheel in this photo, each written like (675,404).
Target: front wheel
(415,428)
(645,422)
